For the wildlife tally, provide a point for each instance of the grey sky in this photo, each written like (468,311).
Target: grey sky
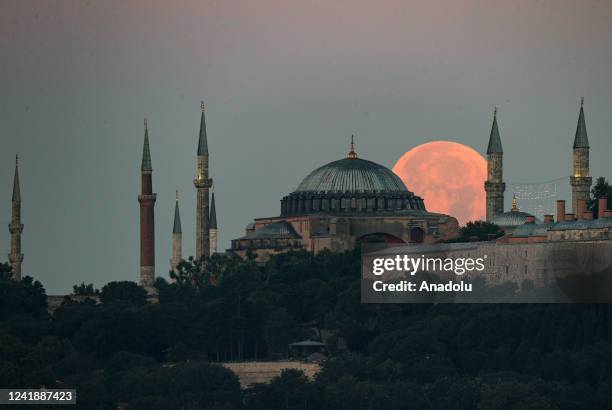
(285,83)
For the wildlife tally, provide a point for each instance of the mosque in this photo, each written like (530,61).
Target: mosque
(341,204)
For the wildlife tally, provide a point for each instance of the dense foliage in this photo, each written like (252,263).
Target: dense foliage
(479,231)
(601,189)
(85,290)
(386,356)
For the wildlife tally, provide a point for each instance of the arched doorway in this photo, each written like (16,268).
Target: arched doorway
(417,235)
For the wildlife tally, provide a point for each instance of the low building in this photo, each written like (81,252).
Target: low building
(568,227)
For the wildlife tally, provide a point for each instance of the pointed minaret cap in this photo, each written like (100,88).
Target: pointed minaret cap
(146,152)
(202,141)
(16,189)
(581,140)
(177,216)
(352,154)
(213,213)
(495,145)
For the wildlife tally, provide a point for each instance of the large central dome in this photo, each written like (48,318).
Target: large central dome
(351,185)
(352,175)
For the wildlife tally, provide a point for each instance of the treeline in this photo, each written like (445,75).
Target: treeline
(391,356)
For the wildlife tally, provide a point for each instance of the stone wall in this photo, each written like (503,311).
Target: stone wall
(541,263)
(251,373)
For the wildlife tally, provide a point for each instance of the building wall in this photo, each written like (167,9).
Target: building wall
(251,373)
(341,233)
(580,234)
(541,262)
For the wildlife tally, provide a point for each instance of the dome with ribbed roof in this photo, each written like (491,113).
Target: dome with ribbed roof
(511,218)
(514,217)
(351,185)
(352,175)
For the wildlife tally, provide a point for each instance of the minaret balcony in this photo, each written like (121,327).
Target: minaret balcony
(15,257)
(201,182)
(15,228)
(147,198)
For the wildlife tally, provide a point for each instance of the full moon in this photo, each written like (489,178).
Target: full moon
(449,176)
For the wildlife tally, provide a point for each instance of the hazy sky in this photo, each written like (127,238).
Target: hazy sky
(285,83)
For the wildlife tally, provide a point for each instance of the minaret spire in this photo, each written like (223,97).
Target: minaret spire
(495,145)
(177,238)
(147,217)
(202,183)
(580,179)
(177,217)
(146,151)
(16,227)
(581,139)
(494,185)
(202,140)
(212,220)
(16,188)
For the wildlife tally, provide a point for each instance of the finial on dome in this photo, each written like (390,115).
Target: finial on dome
(581,102)
(177,195)
(495,111)
(514,203)
(352,154)
(202,105)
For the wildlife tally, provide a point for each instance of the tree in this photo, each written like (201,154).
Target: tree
(85,290)
(123,291)
(5,271)
(601,189)
(26,296)
(280,330)
(481,230)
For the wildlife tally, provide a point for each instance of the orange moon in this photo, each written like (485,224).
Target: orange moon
(449,176)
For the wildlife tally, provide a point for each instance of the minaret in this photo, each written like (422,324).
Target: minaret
(202,183)
(16,227)
(580,179)
(213,225)
(147,216)
(494,185)
(177,238)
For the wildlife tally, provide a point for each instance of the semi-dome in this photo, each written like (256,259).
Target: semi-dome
(350,185)
(352,175)
(279,230)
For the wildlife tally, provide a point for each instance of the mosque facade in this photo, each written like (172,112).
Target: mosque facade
(341,204)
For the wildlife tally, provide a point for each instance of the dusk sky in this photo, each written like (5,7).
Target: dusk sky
(285,84)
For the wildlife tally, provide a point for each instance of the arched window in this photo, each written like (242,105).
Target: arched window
(417,235)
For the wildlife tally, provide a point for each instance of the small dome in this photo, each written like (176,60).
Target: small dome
(514,217)
(352,175)
(511,218)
